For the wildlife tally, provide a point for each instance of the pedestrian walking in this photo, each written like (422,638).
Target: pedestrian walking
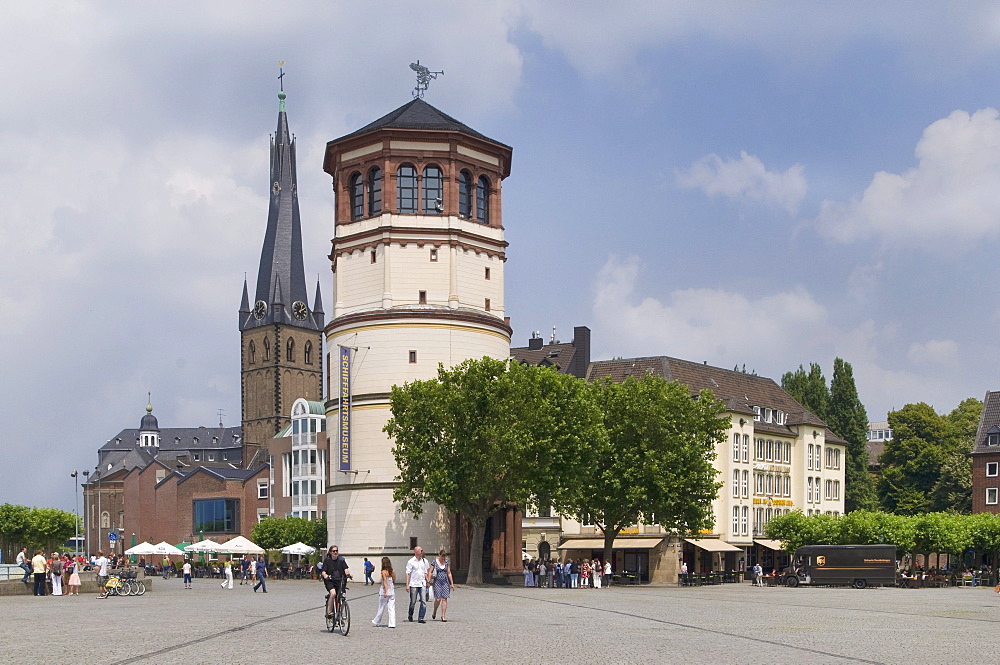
(585,574)
(444,583)
(607,573)
(574,574)
(369,569)
(416,584)
(186,568)
(227,570)
(596,570)
(38,568)
(527,573)
(101,564)
(261,570)
(386,596)
(55,573)
(245,569)
(165,567)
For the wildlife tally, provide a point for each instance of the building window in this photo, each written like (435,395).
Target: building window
(262,489)
(216,516)
(483,200)
(819,456)
(290,350)
(836,490)
(736,484)
(736,447)
(487,273)
(433,187)
(770,451)
(434,255)
(225,456)
(788,485)
(413,356)
(991,496)
(487,304)
(816,483)
(357,196)
(736,520)
(211,457)
(406,188)
(307,354)
(422,297)
(993,439)
(746,485)
(743,520)
(267,349)
(375,191)
(746,447)
(196,457)
(756,414)
(809,490)
(373,258)
(465,194)
(991,468)
(252,352)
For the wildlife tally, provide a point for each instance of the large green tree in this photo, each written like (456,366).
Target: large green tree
(487,434)
(654,465)
(276,532)
(808,388)
(925,467)
(847,417)
(42,528)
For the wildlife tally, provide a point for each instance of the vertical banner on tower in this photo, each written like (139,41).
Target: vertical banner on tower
(344,430)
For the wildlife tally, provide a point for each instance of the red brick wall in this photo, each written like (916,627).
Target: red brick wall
(980,482)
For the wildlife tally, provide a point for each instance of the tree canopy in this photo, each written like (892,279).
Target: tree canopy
(808,389)
(925,467)
(273,533)
(487,434)
(654,465)
(847,417)
(34,528)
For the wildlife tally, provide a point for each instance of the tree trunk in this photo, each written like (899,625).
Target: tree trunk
(609,541)
(476,551)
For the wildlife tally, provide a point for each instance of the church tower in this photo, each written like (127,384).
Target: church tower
(418,279)
(281,335)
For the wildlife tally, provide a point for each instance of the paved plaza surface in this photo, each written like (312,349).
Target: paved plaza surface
(733,623)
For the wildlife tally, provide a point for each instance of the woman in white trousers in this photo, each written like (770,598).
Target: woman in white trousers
(227,568)
(386,595)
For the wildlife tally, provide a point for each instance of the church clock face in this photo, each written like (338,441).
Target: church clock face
(259,310)
(299,310)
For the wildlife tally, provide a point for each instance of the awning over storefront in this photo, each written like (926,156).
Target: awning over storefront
(619,544)
(769,544)
(712,545)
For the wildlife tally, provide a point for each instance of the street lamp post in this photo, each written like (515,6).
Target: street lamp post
(100,515)
(86,531)
(76,511)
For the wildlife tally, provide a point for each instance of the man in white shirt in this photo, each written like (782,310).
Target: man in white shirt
(416,583)
(102,573)
(22,563)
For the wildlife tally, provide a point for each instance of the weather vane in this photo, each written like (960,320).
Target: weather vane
(424,77)
(281,75)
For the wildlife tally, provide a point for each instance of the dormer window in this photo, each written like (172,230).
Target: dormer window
(779,417)
(993,439)
(756,414)
(767,415)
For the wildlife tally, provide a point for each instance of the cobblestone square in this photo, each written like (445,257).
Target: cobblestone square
(733,623)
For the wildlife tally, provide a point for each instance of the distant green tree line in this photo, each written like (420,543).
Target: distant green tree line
(35,528)
(273,533)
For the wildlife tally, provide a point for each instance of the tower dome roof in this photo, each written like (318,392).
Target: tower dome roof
(148,422)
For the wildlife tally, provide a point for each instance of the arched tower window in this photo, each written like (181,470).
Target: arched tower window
(433,190)
(375,191)
(308,353)
(267,349)
(290,350)
(357,195)
(406,186)
(252,352)
(465,194)
(105,520)
(483,200)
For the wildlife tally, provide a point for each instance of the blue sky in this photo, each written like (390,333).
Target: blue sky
(773,184)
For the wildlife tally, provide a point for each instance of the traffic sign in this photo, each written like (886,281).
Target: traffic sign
(112,536)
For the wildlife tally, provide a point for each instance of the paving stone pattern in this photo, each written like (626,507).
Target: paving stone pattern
(724,624)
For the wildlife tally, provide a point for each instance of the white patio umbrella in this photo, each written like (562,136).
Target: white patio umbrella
(240,545)
(298,548)
(207,545)
(142,549)
(166,548)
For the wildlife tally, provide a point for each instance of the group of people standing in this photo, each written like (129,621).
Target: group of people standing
(569,574)
(54,571)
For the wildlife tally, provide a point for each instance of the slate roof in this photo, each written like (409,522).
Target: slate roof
(988,419)
(223,473)
(181,439)
(559,356)
(418,114)
(739,391)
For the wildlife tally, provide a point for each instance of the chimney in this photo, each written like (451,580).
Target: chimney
(535,342)
(581,359)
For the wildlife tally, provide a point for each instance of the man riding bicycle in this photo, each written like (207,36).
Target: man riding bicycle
(334,574)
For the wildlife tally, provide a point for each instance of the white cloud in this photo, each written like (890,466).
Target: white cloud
(950,198)
(943,352)
(745,178)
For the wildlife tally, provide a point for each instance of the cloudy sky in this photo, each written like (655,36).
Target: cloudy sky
(766,186)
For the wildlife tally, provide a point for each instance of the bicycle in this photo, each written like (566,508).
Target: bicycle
(113,587)
(133,586)
(341,617)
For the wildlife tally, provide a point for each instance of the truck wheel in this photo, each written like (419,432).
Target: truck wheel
(791,582)
(860,584)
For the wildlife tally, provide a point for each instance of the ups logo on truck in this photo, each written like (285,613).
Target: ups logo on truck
(821,561)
